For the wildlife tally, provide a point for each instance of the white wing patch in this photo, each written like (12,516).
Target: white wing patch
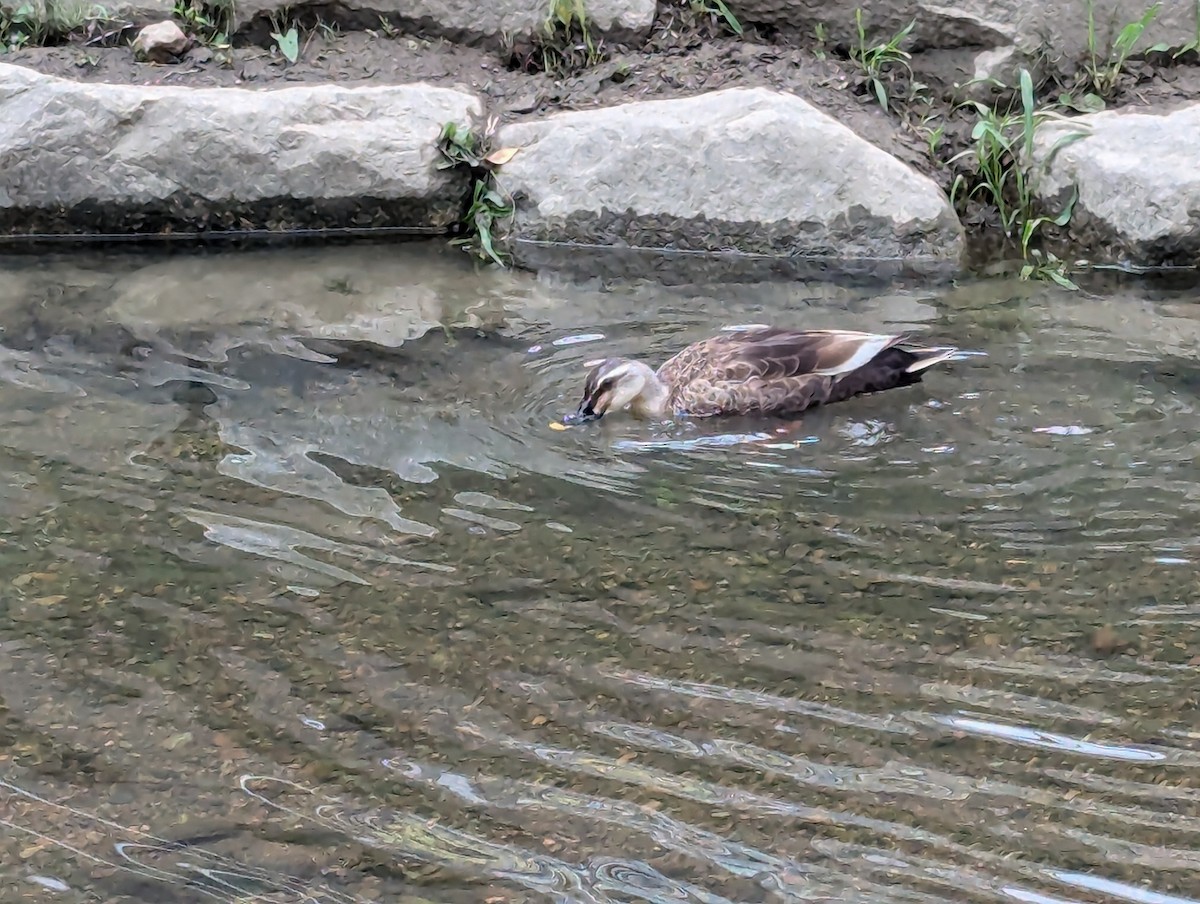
(870,345)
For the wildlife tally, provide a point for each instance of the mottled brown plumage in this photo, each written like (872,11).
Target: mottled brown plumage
(760,371)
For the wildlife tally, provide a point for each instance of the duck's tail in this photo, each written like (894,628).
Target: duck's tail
(924,358)
(892,368)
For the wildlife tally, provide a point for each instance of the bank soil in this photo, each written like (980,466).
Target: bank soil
(685,54)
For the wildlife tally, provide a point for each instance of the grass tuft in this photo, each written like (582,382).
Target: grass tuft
(1100,78)
(718,11)
(565,42)
(488,206)
(210,22)
(1104,71)
(1000,173)
(878,61)
(36,23)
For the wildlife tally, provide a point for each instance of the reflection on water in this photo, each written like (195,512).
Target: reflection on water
(303,600)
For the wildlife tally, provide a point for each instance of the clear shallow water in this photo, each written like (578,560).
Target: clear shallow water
(302,600)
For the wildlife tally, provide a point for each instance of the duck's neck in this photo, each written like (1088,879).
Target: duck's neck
(653,399)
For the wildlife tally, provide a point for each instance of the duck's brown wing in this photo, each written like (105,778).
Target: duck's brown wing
(782,397)
(773,353)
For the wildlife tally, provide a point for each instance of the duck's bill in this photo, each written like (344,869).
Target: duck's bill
(582,416)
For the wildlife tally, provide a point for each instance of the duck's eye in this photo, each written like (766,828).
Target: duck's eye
(606,385)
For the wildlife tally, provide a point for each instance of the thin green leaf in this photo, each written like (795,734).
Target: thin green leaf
(1065,217)
(485,242)
(1061,280)
(1128,37)
(1027,110)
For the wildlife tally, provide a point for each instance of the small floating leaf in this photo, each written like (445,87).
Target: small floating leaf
(555,425)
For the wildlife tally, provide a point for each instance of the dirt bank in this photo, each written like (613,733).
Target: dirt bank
(686,53)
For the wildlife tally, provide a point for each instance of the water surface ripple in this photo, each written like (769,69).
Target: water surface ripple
(303,600)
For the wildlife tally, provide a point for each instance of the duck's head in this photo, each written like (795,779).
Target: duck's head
(614,384)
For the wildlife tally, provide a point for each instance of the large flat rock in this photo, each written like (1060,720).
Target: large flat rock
(751,170)
(939,25)
(1039,31)
(97,157)
(1138,178)
(468,20)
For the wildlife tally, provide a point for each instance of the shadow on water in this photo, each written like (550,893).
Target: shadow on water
(302,599)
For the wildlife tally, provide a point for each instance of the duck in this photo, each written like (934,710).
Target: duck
(757,371)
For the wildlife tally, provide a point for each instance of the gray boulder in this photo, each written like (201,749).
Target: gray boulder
(136,12)
(470,20)
(1055,31)
(97,157)
(939,25)
(750,170)
(1138,179)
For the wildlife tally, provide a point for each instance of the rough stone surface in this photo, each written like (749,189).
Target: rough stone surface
(940,25)
(746,169)
(1060,27)
(1056,29)
(469,20)
(139,12)
(160,42)
(1138,178)
(96,157)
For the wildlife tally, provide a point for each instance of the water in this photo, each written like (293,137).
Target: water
(301,599)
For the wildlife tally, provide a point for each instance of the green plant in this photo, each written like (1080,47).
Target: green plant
(822,38)
(565,41)
(876,60)
(933,134)
(460,148)
(288,43)
(1003,175)
(286,40)
(387,28)
(1103,70)
(210,22)
(39,24)
(21,26)
(488,207)
(1044,265)
(718,9)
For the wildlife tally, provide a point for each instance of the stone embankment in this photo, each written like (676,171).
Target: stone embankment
(648,153)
